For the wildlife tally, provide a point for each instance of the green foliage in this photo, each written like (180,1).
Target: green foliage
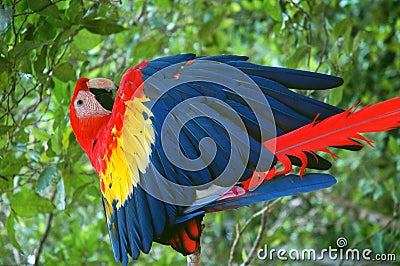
(50,202)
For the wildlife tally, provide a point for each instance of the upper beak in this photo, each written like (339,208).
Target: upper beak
(101,83)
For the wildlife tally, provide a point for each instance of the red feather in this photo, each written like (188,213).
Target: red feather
(184,237)
(338,130)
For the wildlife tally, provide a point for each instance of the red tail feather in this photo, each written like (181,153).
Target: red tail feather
(337,130)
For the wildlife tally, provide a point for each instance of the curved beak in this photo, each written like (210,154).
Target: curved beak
(101,83)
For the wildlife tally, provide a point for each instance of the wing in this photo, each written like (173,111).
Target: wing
(184,130)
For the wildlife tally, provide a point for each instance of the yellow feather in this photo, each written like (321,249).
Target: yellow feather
(132,154)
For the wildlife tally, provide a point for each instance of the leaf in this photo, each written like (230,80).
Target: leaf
(65,139)
(5,182)
(40,134)
(47,30)
(86,40)
(76,54)
(25,47)
(40,64)
(5,68)
(52,14)
(11,231)
(21,136)
(56,143)
(273,10)
(59,42)
(295,59)
(74,12)
(36,5)
(12,165)
(336,96)
(102,26)
(25,66)
(48,175)
(147,47)
(59,96)
(4,129)
(28,203)
(78,192)
(209,28)
(341,27)
(393,146)
(65,72)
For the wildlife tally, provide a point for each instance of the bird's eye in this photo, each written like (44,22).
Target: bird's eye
(79,102)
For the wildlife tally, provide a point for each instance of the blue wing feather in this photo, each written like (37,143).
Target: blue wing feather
(291,78)
(122,232)
(278,187)
(133,229)
(224,58)
(140,209)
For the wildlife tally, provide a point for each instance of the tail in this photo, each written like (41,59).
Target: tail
(281,186)
(339,130)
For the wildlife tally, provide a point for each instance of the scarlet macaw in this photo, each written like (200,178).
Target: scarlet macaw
(146,150)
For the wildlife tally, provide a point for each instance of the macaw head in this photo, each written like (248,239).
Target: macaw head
(90,109)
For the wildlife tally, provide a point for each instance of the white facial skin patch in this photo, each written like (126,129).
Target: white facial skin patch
(86,105)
